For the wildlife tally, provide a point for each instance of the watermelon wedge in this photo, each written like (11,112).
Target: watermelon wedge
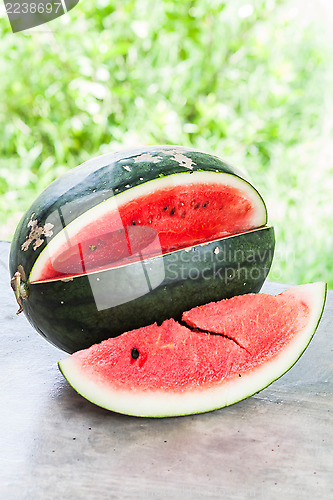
(217,355)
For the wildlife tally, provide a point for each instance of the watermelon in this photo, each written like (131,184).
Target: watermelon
(136,237)
(218,354)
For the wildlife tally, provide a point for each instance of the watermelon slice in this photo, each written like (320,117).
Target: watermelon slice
(218,354)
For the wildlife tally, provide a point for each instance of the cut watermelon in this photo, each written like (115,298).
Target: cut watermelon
(219,354)
(175,197)
(155,218)
(133,238)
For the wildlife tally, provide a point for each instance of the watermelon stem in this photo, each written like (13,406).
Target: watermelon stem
(19,287)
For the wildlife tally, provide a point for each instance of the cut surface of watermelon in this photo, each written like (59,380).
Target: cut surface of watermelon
(219,354)
(159,216)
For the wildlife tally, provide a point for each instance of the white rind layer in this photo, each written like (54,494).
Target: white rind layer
(162,404)
(145,189)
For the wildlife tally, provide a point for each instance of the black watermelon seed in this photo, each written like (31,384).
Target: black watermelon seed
(135,353)
(172,211)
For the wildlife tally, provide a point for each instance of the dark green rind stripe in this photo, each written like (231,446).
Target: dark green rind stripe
(67,313)
(97,180)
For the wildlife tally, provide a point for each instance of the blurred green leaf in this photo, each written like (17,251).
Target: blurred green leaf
(245,80)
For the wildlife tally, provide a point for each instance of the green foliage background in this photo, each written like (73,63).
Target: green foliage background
(247,81)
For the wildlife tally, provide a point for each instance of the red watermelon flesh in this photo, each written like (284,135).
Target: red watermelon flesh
(222,353)
(162,220)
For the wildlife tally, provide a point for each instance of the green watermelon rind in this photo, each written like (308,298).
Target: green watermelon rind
(161,404)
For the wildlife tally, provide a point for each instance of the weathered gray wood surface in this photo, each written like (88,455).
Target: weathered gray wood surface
(56,445)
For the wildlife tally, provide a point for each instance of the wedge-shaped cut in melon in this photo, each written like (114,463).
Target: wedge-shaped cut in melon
(157,217)
(222,353)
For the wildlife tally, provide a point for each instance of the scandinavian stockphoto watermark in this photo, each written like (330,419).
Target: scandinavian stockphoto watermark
(226,265)
(25,14)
